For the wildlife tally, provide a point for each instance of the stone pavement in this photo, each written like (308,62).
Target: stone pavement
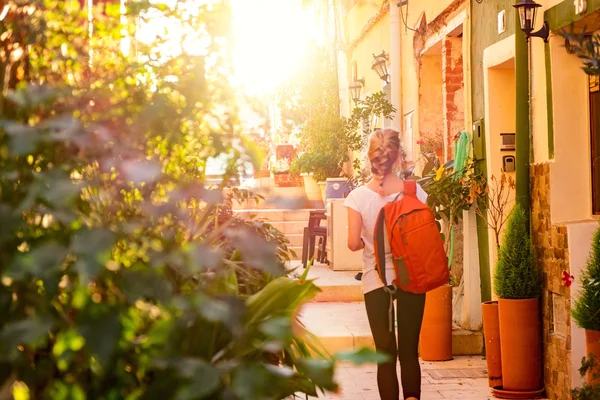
(465,377)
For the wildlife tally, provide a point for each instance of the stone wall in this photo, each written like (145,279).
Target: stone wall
(551,250)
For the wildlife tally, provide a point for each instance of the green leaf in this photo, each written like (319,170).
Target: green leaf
(205,379)
(93,248)
(23,332)
(363,355)
(23,138)
(100,326)
(140,283)
(278,328)
(40,262)
(319,371)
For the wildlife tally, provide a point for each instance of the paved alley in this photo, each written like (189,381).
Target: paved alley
(465,377)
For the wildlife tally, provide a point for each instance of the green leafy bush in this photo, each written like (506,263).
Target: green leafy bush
(587,391)
(586,310)
(516,275)
(122,273)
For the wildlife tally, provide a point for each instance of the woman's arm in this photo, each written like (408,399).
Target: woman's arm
(355,242)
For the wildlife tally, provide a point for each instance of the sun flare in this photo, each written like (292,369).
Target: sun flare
(271,40)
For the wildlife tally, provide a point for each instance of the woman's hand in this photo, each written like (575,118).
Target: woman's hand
(355,242)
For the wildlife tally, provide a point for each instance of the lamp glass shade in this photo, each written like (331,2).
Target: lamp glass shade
(527,13)
(380,67)
(355,88)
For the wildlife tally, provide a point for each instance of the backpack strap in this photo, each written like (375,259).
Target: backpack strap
(380,250)
(380,264)
(410,187)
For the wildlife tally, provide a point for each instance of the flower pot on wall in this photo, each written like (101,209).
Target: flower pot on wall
(520,344)
(263,173)
(436,330)
(285,179)
(592,345)
(491,333)
(312,190)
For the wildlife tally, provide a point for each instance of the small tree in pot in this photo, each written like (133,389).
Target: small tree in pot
(517,284)
(586,310)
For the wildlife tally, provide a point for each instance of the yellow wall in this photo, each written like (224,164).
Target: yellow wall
(376,40)
(570,183)
(500,114)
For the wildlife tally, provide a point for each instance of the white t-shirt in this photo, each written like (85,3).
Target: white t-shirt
(368,203)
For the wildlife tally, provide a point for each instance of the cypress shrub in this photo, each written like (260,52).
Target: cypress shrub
(586,310)
(516,276)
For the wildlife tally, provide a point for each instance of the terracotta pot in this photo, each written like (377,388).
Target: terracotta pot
(312,190)
(322,189)
(436,330)
(520,344)
(491,333)
(592,345)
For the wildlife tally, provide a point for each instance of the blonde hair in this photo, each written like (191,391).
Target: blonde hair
(384,152)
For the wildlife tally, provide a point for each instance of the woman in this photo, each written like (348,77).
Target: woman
(363,205)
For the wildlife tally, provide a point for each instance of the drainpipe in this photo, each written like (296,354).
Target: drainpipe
(396,65)
(522,132)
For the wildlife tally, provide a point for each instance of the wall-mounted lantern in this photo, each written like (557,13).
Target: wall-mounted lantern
(379,65)
(527,11)
(355,88)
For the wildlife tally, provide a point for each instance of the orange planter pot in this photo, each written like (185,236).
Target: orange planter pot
(436,331)
(491,333)
(592,345)
(520,344)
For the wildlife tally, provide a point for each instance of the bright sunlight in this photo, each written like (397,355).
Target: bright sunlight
(271,40)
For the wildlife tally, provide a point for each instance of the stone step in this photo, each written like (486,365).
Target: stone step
(344,326)
(276,215)
(295,239)
(275,198)
(336,286)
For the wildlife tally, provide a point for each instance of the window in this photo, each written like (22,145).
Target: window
(595,144)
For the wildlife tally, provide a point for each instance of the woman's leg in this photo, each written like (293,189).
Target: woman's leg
(410,315)
(378,303)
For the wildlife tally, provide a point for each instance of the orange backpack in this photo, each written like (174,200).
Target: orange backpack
(420,261)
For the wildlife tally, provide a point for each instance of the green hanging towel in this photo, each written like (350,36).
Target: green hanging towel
(462,151)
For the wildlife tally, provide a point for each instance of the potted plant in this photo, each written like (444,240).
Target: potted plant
(517,284)
(263,146)
(586,310)
(499,194)
(450,191)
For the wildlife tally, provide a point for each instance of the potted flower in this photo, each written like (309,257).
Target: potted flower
(517,284)
(264,148)
(586,311)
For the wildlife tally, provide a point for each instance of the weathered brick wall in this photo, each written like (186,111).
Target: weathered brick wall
(453,90)
(551,250)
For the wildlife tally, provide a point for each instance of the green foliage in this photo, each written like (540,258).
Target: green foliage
(586,46)
(450,191)
(516,275)
(586,310)
(123,274)
(312,103)
(587,391)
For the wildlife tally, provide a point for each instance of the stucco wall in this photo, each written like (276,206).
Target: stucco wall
(571,170)
(551,247)
(376,40)
(484,33)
